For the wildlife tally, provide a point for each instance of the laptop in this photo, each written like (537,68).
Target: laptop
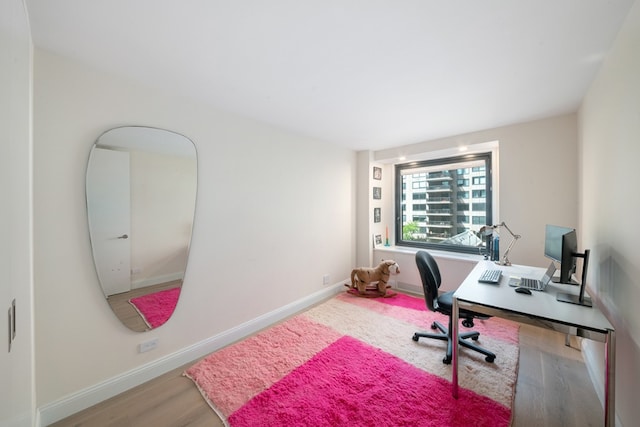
(534,284)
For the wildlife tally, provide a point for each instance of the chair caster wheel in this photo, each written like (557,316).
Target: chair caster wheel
(474,338)
(490,359)
(434,326)
(446,361)
(415,337)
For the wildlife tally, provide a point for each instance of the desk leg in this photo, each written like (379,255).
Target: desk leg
(454,348)
(609,380)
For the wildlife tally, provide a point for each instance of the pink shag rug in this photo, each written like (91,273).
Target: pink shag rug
(156,308)
(351,361)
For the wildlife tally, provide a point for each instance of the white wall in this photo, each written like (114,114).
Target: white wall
(609,177)
(454,268)
(16,279)
(364,245)
(274,214)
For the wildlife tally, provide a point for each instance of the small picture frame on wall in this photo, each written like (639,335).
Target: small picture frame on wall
(377,214)
(377,193)
(377,173)
(377,240)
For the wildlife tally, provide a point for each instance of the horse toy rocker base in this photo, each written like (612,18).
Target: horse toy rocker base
(373,282)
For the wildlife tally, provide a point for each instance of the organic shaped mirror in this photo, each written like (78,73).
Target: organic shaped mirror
(141,194)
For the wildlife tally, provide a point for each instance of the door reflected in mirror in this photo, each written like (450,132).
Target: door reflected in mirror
(141,192)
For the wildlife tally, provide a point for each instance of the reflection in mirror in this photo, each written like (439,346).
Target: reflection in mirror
(141,193)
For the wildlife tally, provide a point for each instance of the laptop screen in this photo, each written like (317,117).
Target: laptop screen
(549,273)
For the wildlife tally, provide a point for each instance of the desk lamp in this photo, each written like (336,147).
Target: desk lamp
(488,230)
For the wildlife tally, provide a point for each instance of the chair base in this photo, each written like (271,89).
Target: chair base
(462,340)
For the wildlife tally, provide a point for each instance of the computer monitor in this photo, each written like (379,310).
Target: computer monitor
(561,245)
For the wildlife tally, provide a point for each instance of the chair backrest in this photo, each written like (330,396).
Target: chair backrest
(430,276)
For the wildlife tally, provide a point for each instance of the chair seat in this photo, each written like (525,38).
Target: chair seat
(445,301)
(445,306)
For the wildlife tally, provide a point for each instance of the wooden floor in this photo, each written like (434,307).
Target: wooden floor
(553,389)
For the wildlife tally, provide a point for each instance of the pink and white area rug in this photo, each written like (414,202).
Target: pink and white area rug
(351,362)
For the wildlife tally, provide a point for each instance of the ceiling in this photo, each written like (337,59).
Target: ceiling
(365,74)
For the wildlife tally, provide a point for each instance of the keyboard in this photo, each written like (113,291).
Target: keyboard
(490,276)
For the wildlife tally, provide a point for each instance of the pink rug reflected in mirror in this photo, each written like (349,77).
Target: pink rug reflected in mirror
(156,308)
(351,362)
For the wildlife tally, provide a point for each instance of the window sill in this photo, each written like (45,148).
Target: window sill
(438,254)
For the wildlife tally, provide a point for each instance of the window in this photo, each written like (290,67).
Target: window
(480,220)
(446,219)
(463,218)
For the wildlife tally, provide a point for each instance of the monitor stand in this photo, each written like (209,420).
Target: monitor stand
(556,279)
(579,299)
(574,299)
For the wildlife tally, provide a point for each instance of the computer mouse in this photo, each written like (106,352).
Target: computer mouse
(523,291)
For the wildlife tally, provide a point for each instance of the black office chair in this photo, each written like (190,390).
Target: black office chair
(430,275)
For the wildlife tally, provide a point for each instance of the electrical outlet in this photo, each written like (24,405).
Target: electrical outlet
(148,345)
(325,279)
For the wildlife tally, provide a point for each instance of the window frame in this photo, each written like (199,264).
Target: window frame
(486,156)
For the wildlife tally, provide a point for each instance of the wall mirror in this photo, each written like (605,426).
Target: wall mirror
(141,193)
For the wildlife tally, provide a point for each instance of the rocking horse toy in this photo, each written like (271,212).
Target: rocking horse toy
(373,282)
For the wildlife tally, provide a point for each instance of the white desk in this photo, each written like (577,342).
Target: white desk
(539,309)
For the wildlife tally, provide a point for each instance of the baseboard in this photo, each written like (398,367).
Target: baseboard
(408,287)
(83,399)
(150,281)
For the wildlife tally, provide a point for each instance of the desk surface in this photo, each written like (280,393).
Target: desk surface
(539,307)
(540,304)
